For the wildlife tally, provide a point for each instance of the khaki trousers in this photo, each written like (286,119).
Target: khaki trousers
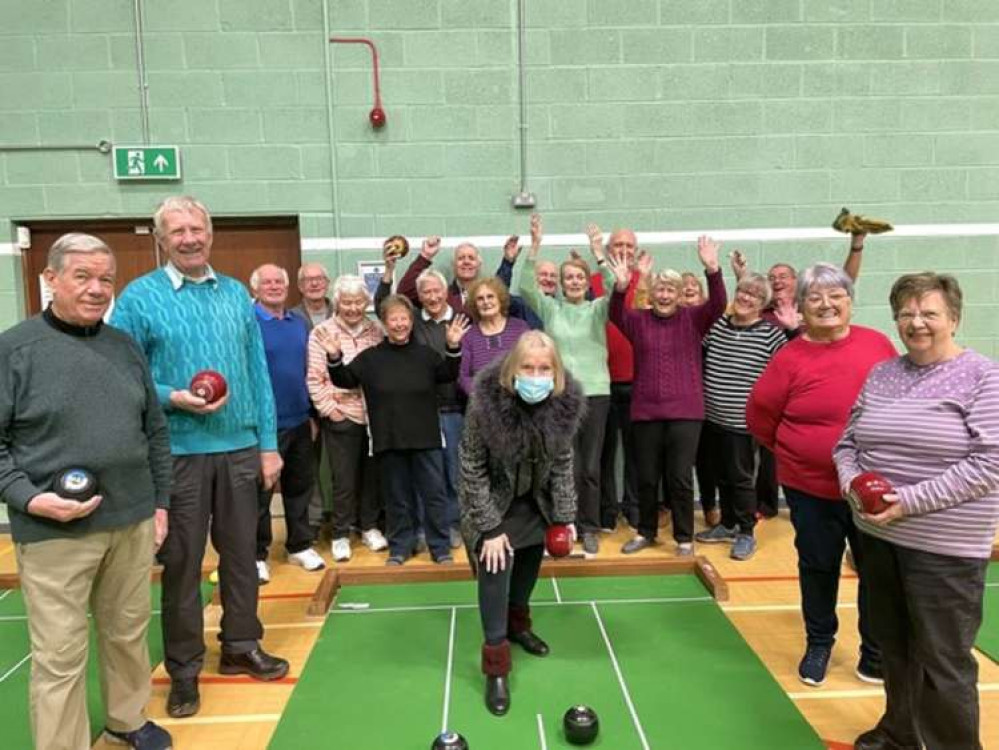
(59,577)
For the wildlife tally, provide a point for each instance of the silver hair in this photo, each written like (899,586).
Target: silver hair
(255,276)
(75,242)
(184,203)
(429,274)
(348,284)
(821,276)
(758,283)
(302,271)
(667,277)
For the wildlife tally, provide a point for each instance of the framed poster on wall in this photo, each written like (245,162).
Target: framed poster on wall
(371,271)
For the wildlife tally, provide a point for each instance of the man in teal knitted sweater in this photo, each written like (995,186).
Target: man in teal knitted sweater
(188,318)
(75,393)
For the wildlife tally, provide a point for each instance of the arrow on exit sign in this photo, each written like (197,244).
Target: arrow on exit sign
(146,163)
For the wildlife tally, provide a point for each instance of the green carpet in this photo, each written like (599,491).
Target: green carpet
(682,662)
(988,636)
(15,645)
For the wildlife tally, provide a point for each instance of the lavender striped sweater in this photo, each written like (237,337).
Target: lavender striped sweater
(933,432)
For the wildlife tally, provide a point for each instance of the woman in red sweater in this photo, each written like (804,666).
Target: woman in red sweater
(798,409)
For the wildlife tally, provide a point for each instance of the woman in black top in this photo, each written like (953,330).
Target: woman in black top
(516,478)
(399,380)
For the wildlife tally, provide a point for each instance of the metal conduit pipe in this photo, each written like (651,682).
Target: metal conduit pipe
(523,199)
(103,145)
(140,64)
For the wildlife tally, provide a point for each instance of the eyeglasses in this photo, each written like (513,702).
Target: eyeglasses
(315,280)
(930,316)
(750,293)
(833,298)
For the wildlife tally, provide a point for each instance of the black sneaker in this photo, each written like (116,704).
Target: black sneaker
(814,664)
(147,737)
(869,671)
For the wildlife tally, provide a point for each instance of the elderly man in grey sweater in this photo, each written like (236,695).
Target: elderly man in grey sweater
(77,393)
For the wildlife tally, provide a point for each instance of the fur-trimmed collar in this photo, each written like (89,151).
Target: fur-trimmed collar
(510,421)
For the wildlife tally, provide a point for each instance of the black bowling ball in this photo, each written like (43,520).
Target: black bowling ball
(449,741)
(581,725)
(75,483)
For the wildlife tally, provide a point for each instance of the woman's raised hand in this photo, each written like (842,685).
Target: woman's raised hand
(329,341)
(456,330)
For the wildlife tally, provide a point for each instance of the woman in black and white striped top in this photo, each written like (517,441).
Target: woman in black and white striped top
(737,349)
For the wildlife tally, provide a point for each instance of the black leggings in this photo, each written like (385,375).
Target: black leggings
(514,585)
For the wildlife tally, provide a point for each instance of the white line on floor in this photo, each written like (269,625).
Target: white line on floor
(992,585)
(5,594)
(558,594)
(13,669)
(239,719)
(775,607)
(541,730)
(620,677)
(445,607)
(450,664)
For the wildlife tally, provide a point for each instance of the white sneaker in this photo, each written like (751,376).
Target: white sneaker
(374,540)
(308,559)
(263,572)
(341,549)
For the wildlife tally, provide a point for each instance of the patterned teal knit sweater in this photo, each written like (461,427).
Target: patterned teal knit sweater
(197,327)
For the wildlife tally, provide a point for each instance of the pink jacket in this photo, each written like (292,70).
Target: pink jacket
(331,402)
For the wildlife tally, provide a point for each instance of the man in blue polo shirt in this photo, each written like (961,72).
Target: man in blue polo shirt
(286,344)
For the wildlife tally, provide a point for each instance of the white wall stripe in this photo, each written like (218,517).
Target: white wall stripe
(775,234)
(9,248)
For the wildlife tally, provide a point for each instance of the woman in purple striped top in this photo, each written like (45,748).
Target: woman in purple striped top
(929,423)
(493,332)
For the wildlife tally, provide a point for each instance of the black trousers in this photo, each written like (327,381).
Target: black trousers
(216,492)
(404,474)
(706,468)
(766,483)
(618,427)
(822,529)
(298,481)
(671,445)
(735,457)
(497,591)
(587,445)
(926,610)
(355,477)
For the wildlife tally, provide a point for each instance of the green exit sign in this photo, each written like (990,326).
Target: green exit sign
(146,163)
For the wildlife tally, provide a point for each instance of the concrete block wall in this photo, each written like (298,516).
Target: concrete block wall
(685,115)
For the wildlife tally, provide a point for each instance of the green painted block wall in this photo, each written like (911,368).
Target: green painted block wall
(692,115)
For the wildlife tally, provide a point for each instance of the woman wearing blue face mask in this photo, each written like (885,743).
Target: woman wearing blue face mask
(516,479)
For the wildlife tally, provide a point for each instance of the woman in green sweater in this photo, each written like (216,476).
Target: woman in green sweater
(578,326)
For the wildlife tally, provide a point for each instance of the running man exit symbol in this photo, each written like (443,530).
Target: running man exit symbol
(147,163)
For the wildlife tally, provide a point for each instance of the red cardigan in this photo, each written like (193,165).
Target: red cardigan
(800,404)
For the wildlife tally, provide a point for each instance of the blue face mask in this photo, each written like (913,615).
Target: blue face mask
(533,390)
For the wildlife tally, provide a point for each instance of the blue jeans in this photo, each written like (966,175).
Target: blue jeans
(452,423)
(822,529)
(405,475)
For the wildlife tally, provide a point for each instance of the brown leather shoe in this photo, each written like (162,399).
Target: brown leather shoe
(257,663)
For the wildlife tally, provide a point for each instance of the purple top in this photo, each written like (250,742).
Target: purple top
(933,432)
(668,382)
(478,349)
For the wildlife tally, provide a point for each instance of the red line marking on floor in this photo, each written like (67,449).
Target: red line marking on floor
(236,680)
(834,745)
(292,595)
(771,579)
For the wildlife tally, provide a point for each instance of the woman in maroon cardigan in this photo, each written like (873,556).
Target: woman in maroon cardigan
(798,409)
(667,404)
